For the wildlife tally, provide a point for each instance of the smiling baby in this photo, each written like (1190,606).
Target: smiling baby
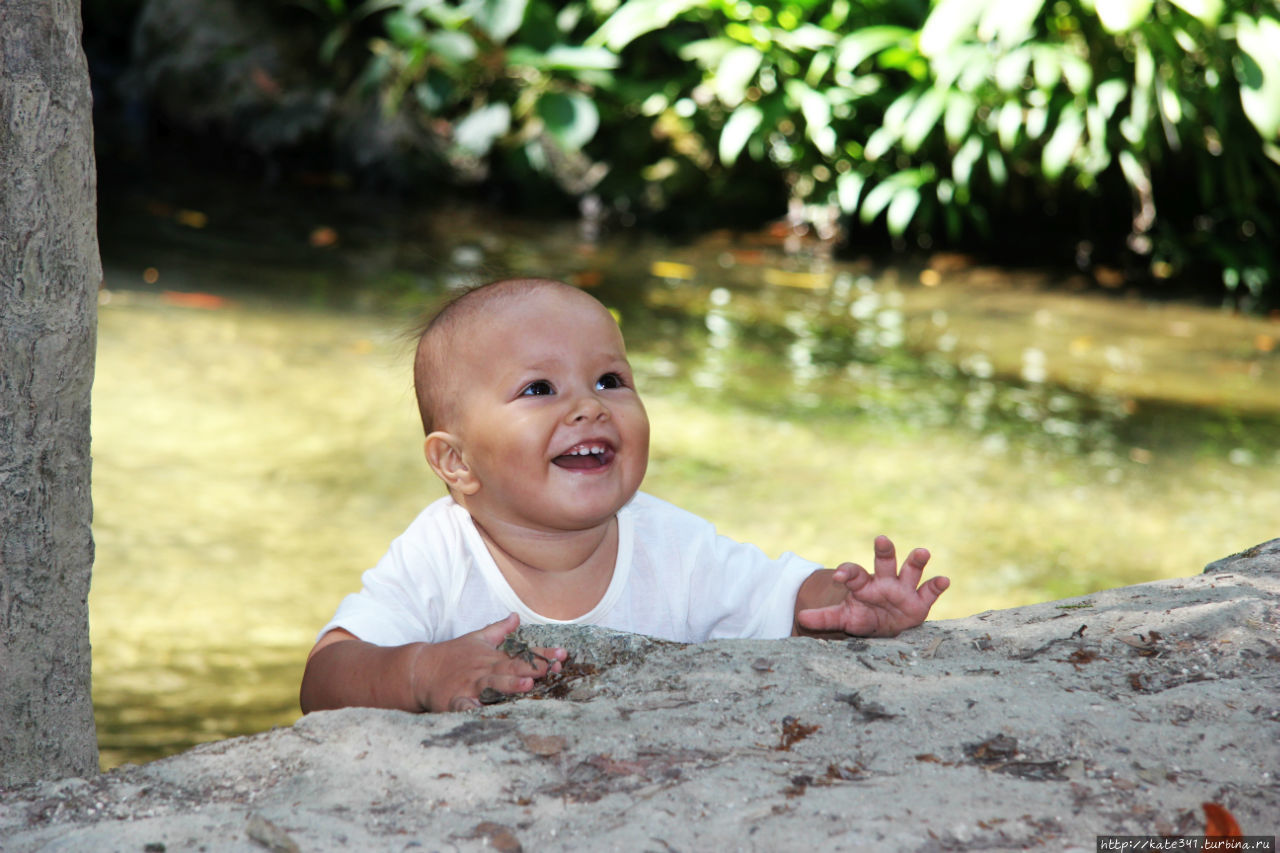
(534,424)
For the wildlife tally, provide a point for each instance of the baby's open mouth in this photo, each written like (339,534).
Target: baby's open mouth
(586,457)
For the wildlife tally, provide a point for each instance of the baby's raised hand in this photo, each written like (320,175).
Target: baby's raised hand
(881,604)
(450,676)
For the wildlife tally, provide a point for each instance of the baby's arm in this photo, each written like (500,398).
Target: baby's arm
(851,600)
(343,670)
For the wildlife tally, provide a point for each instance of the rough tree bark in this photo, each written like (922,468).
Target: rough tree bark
(49,277)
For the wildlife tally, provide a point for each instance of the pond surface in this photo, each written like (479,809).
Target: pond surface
(256,445)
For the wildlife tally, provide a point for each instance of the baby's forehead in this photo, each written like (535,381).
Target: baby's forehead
(514,313)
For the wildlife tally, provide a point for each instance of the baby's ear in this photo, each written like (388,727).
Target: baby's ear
(444,454)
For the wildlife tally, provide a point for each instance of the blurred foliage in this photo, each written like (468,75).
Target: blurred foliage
(941,123)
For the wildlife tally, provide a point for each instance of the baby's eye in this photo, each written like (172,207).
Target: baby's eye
(540,388)
(610,381)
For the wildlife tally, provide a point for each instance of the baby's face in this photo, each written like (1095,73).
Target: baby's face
(548,416)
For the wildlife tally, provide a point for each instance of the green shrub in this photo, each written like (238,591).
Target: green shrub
(930,121)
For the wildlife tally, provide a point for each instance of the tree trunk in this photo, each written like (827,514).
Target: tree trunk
(49,277)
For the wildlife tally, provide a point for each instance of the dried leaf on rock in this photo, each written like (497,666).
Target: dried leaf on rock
(1219,823)
(544,745)
(499,837)
(793,731)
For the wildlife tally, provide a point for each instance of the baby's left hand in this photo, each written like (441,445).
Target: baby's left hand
(881,604)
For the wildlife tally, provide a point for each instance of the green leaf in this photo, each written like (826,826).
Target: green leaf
(1121,16)
(945,191)
(1170,104)
(452,46)
(477,132)
(537,156)
(1046,67)
(923,118)
(736,71)
(1036,121)
(966,67)
(905,202)
(570,117)
(804,38)
(1011,70)
(958,117)
(949,23)
(1134,174)
(567,18)
(877,200)
(1208,12)
(878,144)
(634,18)
(1258,72)
(849,190)
(1140,104)
(866,42)
(818,67)
(824,139)
(1008,123)
(708,53)
(895,117)
(1077,73)
(500,18)
(900,193)
(445,15)
(1063,143)
(404,29)
(979,67)
(434,93)
(563,57)
(737,131)
(1009,22)
(813,106)
(962,163)
(996,168)
(1096,156)
(1144,67)
(1109,94)
(817,115)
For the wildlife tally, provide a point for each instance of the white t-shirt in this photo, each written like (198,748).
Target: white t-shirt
(675,578)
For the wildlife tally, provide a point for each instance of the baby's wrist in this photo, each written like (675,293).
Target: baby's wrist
(420,676)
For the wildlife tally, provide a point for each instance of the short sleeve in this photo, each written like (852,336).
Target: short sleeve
(712,586)
(747,593)
(404,597)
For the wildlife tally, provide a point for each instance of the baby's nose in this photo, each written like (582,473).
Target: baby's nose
(589,407)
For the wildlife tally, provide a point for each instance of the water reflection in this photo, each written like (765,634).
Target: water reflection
(254,454)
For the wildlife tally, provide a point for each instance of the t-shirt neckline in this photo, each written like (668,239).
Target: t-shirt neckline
(502,590)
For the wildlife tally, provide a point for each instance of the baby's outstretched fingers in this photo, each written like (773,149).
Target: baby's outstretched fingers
(852,576)
(886,561)
(880,603)
(913,566)
(933,588)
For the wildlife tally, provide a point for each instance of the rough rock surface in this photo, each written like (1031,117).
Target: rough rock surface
(1036,727)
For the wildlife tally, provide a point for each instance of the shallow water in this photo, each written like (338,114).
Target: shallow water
(256,448)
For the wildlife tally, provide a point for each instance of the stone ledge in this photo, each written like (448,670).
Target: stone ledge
(1119,712)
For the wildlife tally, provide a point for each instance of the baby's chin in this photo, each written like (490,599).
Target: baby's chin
(552,517)
(588,514)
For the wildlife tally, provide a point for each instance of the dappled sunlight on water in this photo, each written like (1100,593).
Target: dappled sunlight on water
(256,450)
